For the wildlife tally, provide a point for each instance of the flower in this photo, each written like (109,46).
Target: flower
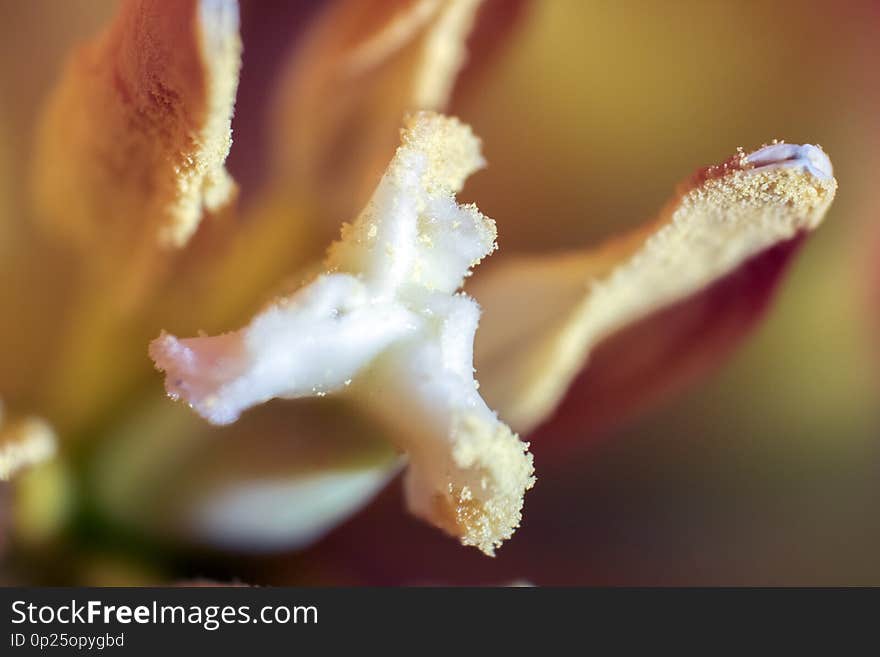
(383,311)
(129,175)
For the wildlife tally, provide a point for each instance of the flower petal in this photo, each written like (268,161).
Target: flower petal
(132,145)
(383,326)
(724,216)
(279,479)
(363,67)
(642,364)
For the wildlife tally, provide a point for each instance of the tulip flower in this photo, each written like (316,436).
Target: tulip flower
(383,351)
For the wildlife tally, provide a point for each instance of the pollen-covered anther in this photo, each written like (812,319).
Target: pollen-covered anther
(488,510)
(385,326)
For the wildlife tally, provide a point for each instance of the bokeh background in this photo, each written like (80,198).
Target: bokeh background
(767,472)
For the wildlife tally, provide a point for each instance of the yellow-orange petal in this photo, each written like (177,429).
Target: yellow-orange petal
(543,315)
(132,145)
(363,66)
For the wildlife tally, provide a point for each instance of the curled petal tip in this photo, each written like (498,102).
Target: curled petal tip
(781,155)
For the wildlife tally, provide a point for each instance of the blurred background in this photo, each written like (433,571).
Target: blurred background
(766,472)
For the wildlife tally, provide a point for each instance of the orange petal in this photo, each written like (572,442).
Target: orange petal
(132,146)
(362,68)
(543,315)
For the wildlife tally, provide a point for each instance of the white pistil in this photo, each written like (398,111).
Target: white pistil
(384,326)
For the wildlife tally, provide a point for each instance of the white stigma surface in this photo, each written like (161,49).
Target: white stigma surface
(793,156)
(385,326)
